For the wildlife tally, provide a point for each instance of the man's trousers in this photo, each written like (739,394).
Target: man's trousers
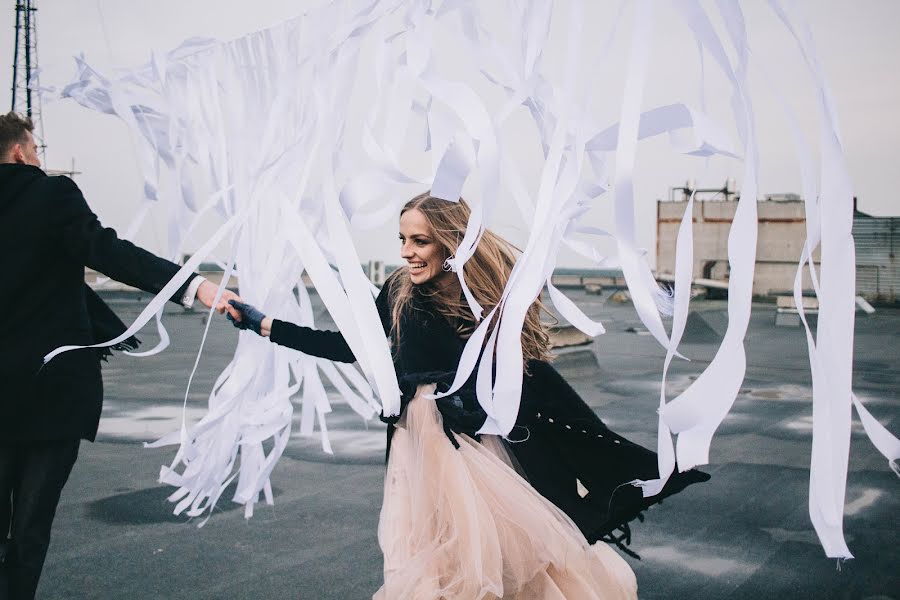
(32,476)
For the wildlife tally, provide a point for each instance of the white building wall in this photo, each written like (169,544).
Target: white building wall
(782,231)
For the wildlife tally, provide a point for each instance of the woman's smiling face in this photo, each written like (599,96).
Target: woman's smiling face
(418,247)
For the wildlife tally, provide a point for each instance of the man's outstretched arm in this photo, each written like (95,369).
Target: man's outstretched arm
(100,248)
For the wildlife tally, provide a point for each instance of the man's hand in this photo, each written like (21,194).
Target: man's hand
(206,294)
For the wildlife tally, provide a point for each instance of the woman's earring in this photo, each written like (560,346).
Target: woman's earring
(448,265)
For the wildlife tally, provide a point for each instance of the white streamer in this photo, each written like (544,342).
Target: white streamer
(266,118)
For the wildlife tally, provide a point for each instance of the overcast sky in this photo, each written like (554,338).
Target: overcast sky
(857,42)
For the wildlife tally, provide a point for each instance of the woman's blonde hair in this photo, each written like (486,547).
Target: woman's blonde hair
(486,274)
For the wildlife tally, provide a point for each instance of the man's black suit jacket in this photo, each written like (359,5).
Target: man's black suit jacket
(48,234)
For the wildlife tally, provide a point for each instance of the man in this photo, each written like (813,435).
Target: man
(47,236)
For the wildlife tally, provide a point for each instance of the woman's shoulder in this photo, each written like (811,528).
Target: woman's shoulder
(388,294)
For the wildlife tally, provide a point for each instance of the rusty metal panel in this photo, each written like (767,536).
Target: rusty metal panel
(877,273)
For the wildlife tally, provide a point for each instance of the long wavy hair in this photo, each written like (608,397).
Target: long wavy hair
(486,273)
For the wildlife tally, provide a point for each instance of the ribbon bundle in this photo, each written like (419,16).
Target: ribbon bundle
(268,125)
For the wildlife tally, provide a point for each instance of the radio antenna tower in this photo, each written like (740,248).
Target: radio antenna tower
(26,76)
(25,70)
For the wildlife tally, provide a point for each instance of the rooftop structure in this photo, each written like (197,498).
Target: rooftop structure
(782,232)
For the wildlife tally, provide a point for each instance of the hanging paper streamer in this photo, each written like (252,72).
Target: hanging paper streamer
(267,128)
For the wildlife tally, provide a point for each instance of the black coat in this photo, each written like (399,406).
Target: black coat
(48,234)
(563,442)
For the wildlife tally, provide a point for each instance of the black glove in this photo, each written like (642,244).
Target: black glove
(461,413)
(251,317)
(454,416)
(388,420)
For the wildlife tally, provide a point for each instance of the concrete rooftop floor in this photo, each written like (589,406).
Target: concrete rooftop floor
(744,534)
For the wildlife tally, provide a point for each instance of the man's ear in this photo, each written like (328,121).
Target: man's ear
(16,155)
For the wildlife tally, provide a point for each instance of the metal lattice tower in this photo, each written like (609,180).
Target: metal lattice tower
(25,69)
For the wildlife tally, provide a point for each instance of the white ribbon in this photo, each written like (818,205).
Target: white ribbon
(697,412)
(829,222)
(267,119)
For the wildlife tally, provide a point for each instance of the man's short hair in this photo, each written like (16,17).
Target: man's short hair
(12,130)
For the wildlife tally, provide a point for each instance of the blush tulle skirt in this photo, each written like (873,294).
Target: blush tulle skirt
(464,525)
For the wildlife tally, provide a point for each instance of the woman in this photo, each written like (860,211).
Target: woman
(472,518)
